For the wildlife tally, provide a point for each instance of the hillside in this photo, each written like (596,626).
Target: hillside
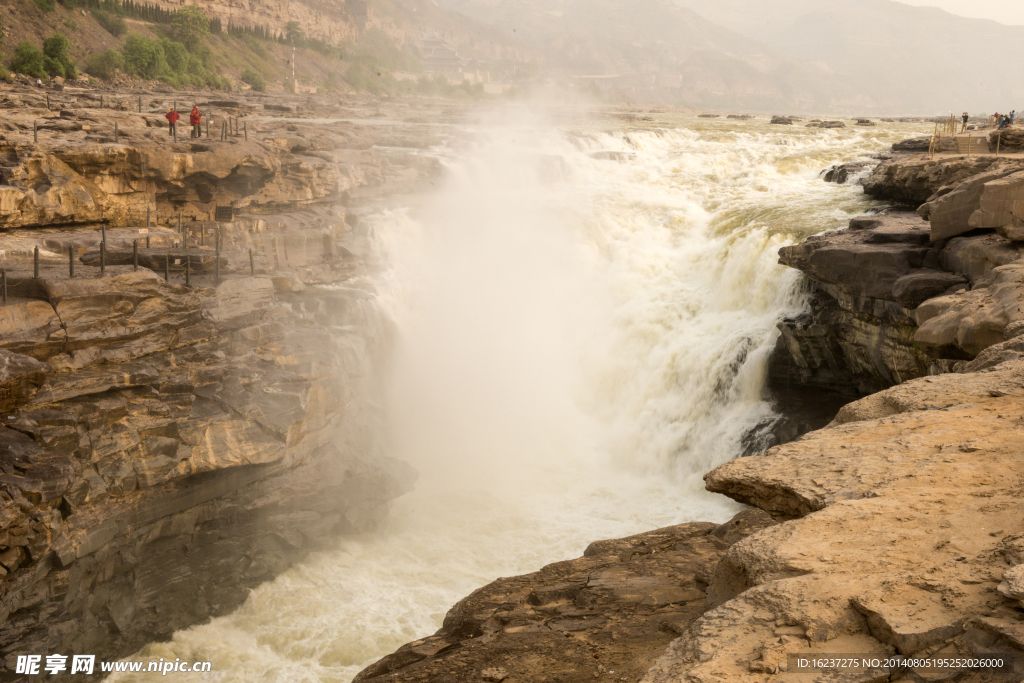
(653,50)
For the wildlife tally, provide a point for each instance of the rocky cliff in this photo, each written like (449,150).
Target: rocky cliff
(174,434)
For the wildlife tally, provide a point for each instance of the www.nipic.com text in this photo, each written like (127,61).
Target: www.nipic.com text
(86,664)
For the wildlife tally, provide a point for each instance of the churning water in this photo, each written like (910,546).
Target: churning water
(584,322)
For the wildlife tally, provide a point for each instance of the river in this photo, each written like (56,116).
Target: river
(584,318)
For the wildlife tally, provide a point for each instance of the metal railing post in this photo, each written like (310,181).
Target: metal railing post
(103,257)
(135,254)
(188,270)
(252,263)
(35,263)
(217,256)
(71,261)
(167,267)
(3,284)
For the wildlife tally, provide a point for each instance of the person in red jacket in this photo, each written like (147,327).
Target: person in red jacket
(172,118)
(195,118)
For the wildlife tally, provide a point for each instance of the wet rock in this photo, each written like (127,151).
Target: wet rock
(841,173)
(782,121)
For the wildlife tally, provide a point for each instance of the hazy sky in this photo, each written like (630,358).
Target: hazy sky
(1003,11)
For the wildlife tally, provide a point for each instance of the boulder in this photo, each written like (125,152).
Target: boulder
(869,257)
(841,173)
(782,120)
(1001,206)
(950,212)
(966,323)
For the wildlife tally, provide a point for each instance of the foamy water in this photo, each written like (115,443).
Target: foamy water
(580,339)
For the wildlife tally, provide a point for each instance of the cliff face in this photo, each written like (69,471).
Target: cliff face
(896,296)
(168,444)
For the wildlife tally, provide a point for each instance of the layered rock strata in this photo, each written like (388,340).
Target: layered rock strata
(898,295)
(167,445)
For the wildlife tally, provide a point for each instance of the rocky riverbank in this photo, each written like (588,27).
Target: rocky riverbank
(174,434)
(895,529)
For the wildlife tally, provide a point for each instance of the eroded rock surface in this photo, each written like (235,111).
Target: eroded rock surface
(905,517)
(610,613)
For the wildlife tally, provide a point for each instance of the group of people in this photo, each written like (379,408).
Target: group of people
(195,118)
(1001,120)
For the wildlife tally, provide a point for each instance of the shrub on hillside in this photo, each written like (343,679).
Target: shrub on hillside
(189,25)
(58,60)
(144,57)
(29,60)
(254,80)
(114,24)
(104,64)
(5,75)
(46,5)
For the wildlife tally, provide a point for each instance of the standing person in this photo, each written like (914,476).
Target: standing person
(172,118)
(1013,115)
(195,118)
(964,117)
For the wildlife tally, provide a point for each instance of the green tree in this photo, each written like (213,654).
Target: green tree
(58,60)
(254,79)
(144,57)
(189,25)
(294,33)
(29,60)
(177,55)
(104,64)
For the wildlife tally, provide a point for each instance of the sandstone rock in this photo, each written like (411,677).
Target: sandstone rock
(782,120)
(20,378)
(867,259)
(900,513)
(1001,206)
(916,180)
(613,610)
(1012,585)
(915,288)
(950,214)
(972,321)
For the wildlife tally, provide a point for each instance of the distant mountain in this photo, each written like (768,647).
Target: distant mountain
(903,59)
(655,50)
